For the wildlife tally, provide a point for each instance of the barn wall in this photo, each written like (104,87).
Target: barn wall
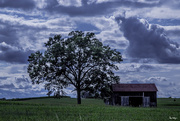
(118,97)
(153,98)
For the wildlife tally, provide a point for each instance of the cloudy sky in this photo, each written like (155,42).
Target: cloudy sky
(146,32)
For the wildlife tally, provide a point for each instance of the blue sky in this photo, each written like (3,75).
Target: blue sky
(146,32)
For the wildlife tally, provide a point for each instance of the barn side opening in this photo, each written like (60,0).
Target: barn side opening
(135,101)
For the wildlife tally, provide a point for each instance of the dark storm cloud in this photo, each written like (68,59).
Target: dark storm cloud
(8,33)
(11,34)
(22,4)
(94,8)
(85,9)
(13,55)
(148,41)
(3,78)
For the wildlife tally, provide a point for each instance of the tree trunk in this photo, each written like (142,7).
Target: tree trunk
(78,86)
(78,95)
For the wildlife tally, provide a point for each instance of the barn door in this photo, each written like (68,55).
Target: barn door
(124,100)
(146,101)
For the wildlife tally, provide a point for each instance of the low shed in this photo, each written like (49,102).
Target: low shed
(134,95)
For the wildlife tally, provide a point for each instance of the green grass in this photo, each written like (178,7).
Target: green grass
(66,109)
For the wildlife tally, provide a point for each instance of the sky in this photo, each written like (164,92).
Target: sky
(146,32)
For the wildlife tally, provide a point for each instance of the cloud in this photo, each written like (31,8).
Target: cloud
(18,86)
(8,33)
(22,4)
(165,86)
(86,27)
(162,12)
(3,78)
(116,44)
(13,54)
(173,32)
(174,4)
(22,80)
(92,7)
(76,3)
(148,41)
(20,32)
(9,86)
(134,68)
(19,38)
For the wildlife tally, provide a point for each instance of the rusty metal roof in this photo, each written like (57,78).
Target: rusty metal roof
(134,87)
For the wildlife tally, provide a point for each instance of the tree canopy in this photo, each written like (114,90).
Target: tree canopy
(80,60)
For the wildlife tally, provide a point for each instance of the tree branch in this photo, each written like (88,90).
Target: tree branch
(87,71)
(70,80)
(72,71)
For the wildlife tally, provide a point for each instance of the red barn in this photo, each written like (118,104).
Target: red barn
(134,95)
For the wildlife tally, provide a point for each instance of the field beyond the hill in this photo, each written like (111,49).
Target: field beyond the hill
(66,109)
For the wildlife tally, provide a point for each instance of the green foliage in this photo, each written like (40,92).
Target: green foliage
(80,60)
(66,109)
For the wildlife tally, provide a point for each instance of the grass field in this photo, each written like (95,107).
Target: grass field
(66,109)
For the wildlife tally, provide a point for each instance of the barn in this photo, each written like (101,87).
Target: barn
(144,95)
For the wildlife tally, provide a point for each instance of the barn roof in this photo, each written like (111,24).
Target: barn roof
(134,88)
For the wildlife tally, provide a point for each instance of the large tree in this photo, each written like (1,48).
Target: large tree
(80,60)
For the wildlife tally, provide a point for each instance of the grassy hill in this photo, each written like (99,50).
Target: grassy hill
(66,109)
